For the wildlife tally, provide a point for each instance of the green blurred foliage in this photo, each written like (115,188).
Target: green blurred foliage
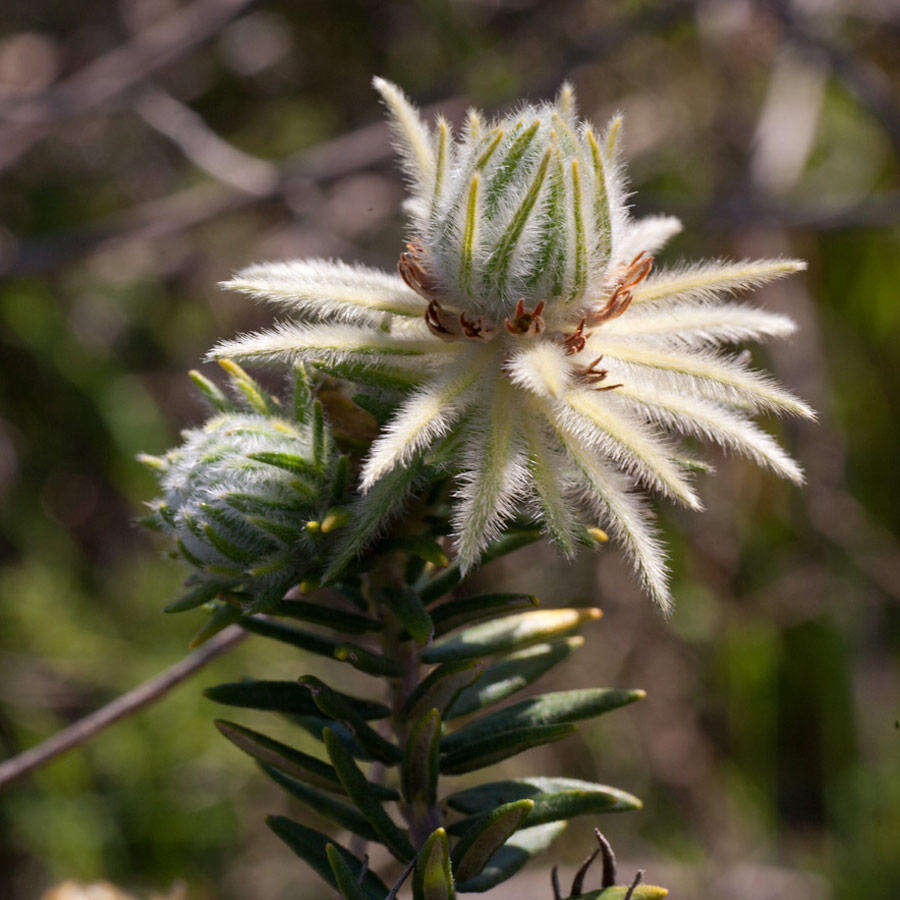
(767,749)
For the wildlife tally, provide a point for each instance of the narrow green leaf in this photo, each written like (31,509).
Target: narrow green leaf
(287,697)
(290,462)
(211,392)
(310,846)
(303,394)
(555,799)
(579,274)
(620,891)
(342,708)
(419,774)
(511,674)
(490,750)
(601,199)
(337,812)
(328,616)
(425,547)
(319,436)
(201,594)
(433,875)
(470,235)
(508,633)
(440,688)
(406,605)
(464,610)
(508,166)
(523,846)
(316,726)
(222,617)
(485,837)
(374,373)
(244,384)
(294,762)
(369,662)
(344,877)
(560,707)
(356,786)
(451,576)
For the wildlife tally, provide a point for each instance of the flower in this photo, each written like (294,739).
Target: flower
(529,324)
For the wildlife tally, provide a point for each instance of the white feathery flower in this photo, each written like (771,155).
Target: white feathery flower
(526,322)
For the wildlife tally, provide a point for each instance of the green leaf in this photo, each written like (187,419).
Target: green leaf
(359,657)
(508,633)
(296,763)
(555,799)
(485,837)
(441,687)
(464,610)
(303,394)
(451,576)
(291,462)
(310,846)
(328,616)
(523,846)
(339,813)
(211,392)
(357,789)
(286,697)
(372,512)
(419,774)
(486,752)
(316,726)
(433,875)
(222,617)
(343,709)
(409,609)
(374,373)
(201,594)
(344,877)
(560,707)
(511,674)
(242,383)
(620,891)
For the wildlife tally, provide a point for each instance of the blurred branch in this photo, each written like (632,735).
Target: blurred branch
(149,692)
(200,144)
(863,79)
(110,75)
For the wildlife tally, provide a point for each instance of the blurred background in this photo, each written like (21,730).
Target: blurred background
(150,147)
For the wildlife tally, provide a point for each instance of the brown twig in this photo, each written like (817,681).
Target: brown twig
(143,695)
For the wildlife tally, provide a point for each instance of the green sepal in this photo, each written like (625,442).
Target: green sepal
(345,880)
(482,840)
(558,708)
(508,633)
(294,762)
(511,674)
(288,697)
(404,602)
(493,749)
(357,789)
(310,846)
(255,396)
(340,813)
(419,773)
(523,846)
(441,688)
(555,799)
(342,708)
(327,616)
(433,874)
(465,610)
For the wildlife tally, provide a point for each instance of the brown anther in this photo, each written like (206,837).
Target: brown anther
(574,342)
(593,376)
(413,271)
(629,276)
(441,323)
(476,329)
(524,321)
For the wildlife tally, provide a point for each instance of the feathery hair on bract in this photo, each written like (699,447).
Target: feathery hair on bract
(528,322)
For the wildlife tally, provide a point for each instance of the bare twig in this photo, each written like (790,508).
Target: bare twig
(111,74)
(202,146)
(80,732)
